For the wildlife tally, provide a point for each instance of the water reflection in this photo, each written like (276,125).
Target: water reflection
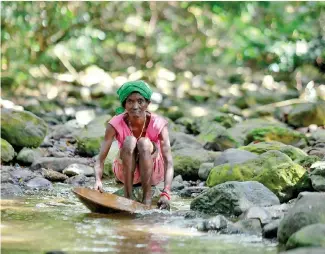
(29,227)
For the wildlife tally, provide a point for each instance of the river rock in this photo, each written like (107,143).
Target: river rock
(246,226)
(7,151)
(240,130)
(22,128)
(274,133)
(216,138)
(216,224)
(179,140)
(58,164)
(81,180)
(273,169)
(90,138)
(39,183)
(68,130)
(312,235)
(270,230)
(53,176)
(306,250)
(233,198)
(187,162)
(305,114)
(308,209)
(294,153)
(260,213)
(204,170)
(22,175)
(192,191)
(28,156)
(317,176)
(9,190)
(234,156)
(78,169)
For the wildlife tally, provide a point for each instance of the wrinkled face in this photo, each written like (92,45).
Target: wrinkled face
(136,104)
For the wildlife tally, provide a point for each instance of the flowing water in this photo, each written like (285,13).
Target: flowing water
(57,221)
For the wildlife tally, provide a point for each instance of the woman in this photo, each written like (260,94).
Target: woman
(145,155)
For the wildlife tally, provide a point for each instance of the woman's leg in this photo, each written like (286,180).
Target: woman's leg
(127,156)
(145,148)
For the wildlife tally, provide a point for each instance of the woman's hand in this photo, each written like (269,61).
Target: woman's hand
(163,203)
(98,186)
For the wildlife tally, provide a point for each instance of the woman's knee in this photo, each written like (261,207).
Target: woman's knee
(144,145)
(129,145)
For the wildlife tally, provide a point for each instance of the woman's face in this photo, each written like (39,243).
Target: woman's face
(136,104)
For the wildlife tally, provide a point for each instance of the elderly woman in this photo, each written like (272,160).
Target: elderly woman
(145,155)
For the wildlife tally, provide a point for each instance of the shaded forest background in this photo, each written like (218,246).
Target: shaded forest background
(188,49)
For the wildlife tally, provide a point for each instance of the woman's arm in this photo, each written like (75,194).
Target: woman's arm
(167,156)
(99,165)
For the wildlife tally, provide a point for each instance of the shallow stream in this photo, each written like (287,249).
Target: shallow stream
(57,221)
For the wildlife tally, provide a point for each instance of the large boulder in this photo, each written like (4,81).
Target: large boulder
(305,114)
(90,138)
(308,209)
(312,235)
(233,198)
(240,130)
(294,153)
(274,133)
(187,162)
(7,151)
(273,169)
(22,128)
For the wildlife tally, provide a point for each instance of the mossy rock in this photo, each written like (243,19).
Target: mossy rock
(240,130)
(7,151)
(225,120)
(187,162)
(303,115)
(273,133)
(308,209)
(294,153)
(89,140)
(273,169)
(312,235)
(215,137)
(28,156)
(22,128)
(191,126)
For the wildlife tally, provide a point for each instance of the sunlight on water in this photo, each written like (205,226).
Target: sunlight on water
(47,223)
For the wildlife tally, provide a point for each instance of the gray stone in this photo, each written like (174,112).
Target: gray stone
(204,170)
(234,156)
(216,223)
(181,140)
(58,164)
(270,230)
(22,175)
(39,183)
(233,198)
(312,235)
(192,191)
(53,176)
(81,180)
(308,209)
(306,250)
(257,213)
(78,169)
(247,226)
(9,190)
(28,156)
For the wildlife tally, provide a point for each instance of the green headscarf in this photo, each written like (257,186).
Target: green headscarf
(130,87)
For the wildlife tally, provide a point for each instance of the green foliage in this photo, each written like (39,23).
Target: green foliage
(279,36)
